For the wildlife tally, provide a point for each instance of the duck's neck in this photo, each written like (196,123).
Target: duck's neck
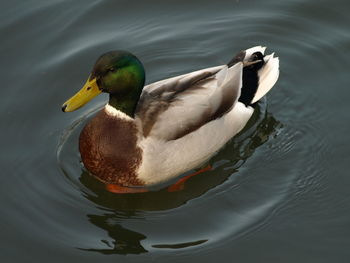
(127,91)
(125,104)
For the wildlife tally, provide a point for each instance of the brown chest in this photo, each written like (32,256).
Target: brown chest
(108,148)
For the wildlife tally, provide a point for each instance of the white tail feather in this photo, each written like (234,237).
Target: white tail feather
(268,76)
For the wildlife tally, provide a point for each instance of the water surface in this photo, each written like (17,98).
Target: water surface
(278,192)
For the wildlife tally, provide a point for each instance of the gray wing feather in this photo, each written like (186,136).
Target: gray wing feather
(171,108)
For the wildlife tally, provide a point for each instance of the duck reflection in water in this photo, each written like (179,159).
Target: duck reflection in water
(125,241)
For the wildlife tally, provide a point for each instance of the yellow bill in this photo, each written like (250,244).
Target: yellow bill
(83,96)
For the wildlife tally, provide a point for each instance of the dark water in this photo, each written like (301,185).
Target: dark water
(279,192)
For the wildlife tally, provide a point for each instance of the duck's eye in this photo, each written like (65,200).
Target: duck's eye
(112,70)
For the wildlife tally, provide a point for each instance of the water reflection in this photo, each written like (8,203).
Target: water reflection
(181,245)
(124,241)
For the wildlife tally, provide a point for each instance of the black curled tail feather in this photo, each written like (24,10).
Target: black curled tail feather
(250,82)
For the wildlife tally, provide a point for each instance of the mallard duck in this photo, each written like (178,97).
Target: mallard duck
(146,135)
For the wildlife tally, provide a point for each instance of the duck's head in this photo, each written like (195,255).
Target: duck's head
(118,73)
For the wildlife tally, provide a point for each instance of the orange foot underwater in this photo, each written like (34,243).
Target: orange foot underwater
(118,189)
(178,186)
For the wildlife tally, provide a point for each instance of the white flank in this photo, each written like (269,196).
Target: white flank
(163,160)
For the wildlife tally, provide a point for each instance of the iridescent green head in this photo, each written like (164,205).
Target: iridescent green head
(118,73)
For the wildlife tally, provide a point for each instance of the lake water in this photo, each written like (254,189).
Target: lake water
(279,192)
